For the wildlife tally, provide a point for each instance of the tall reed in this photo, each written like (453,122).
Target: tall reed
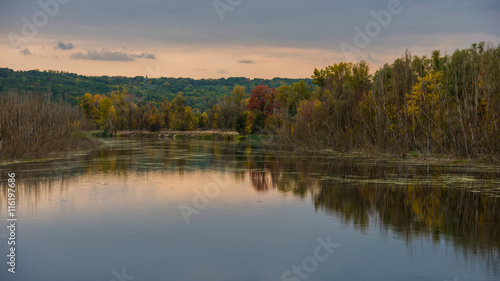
(32,127)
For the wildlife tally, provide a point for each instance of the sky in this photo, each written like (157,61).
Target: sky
(233,38)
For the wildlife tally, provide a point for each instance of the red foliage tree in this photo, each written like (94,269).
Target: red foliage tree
(262,100)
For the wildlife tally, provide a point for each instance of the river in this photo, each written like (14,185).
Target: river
(186,210)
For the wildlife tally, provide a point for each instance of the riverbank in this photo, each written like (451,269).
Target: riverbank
(80,143)
(75,145)
(201,134)
(83,142)
(411,157)
(390,155)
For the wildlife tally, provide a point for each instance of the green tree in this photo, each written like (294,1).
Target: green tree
(241,123)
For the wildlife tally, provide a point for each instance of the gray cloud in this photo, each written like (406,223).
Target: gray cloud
(25,52)
(247,61)
(62,46)
(221,71)
(144,56)
(291,23)
(111,56)
(319,24)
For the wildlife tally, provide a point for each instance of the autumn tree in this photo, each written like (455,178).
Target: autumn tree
(425,108)
(261,104)
(125,105)
(183,117)
(230,106)
(166,111)
(289,97)
(89,108)
(341,88)
(154,118)
(108,120)
(261,98)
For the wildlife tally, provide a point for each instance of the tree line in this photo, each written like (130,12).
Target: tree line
(68,87)
(437,104)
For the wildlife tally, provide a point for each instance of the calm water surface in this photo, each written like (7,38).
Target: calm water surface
(201,210)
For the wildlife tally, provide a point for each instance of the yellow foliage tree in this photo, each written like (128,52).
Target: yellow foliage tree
(424,107)
(425,95)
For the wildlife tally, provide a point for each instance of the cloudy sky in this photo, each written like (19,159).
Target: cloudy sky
(224,38)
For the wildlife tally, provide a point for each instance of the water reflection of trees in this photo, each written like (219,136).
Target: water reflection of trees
(34,179)
(413,201)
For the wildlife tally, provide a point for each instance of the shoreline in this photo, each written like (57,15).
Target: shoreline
(414,158)
(89,144)
(208,134)
(220,135)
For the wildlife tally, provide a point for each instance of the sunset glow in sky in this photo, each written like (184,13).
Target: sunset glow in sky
(227,38)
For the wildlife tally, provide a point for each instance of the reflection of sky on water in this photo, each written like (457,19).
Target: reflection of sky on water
(119,207)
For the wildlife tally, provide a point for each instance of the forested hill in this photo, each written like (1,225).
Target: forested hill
(199,93)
